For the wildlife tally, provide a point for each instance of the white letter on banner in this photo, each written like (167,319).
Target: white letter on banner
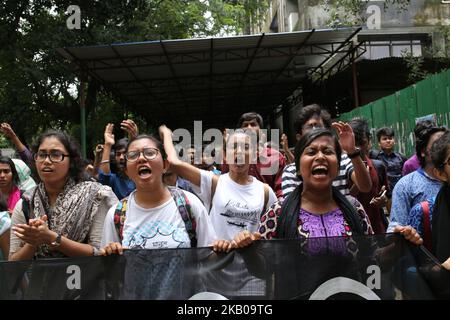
(74,21)
(74,281)
(374,281)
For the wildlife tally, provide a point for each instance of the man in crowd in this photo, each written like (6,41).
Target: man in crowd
(351,169)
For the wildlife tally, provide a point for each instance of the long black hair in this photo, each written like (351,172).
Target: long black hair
(76,168)
(287,226)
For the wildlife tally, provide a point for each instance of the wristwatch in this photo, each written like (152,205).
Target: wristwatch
(57,241)
(355,153)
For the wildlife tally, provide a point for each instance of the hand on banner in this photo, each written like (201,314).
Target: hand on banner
(35,233)
(222,246)
(410,234)
(245,238)
(112,248)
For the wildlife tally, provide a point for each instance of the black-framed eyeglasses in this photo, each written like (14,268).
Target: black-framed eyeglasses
(149,154)
(55,156)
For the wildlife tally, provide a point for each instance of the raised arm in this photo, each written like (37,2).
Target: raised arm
(109,142)
(360,175)
(24,153)
(181,168)
(98,154)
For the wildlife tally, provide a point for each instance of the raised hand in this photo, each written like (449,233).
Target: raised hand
(6,129)
(130,127)
(98,149)
(284,140)
(109,135)
(346,136)
(164,132)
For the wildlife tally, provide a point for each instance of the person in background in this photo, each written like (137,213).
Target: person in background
(170,178)
(431,218)
(5,225)
(374,200)
(26,181)
(413,163)
(269,163)
(420,184)
(351,167)
(9,183)
(121,184)
(393,160)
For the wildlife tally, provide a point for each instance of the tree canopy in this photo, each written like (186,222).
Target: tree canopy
(39,90)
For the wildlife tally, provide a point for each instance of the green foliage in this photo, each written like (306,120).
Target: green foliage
(352,12)
(38,89)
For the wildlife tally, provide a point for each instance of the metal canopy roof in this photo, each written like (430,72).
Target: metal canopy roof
(212,79)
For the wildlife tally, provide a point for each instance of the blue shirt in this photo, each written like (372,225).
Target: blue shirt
(394,165)
(415,218)
(121,187)
(409,191)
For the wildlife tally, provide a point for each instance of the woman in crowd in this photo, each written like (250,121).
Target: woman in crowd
(5,224)
(63,215)
(235,200)
(9,182)
(154,216)
(431,218)
(316,209)
(318,214)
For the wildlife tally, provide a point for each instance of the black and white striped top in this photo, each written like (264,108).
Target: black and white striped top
(290,180)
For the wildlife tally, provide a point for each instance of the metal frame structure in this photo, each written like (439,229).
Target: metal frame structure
(213,79)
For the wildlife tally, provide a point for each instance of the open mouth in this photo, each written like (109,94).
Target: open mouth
(144,171)
(319,171)
(46,169)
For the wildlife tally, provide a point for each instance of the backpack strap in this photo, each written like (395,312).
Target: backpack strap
(266,197)
(185,210)
(119,217)
(426,225)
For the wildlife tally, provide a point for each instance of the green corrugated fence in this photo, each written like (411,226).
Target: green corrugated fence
(401,109)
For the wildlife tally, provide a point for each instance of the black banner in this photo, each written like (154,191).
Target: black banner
(382,267)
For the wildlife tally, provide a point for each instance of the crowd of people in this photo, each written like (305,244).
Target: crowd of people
(139,193)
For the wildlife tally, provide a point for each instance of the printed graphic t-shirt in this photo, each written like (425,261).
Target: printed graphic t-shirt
(159,228)
(235,207)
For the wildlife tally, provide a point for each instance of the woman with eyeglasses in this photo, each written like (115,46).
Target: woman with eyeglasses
(154,216)
(63,215)
(235,201)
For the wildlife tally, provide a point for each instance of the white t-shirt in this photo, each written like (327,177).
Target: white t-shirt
(159,228)
(235,207)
